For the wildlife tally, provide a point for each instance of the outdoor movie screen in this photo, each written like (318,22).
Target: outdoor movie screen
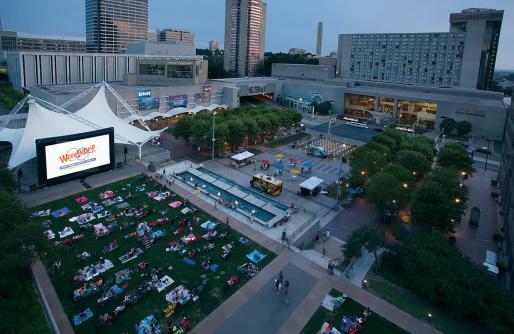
(68,157)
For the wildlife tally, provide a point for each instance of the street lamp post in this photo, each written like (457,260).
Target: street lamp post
(213,139)
(338,184)
(487,154)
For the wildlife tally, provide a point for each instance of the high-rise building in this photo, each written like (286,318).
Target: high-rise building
(153,35)
(112,24)
(319,40)
(482,28)
(171,34)
(214,45)
(463,57)
(245,26)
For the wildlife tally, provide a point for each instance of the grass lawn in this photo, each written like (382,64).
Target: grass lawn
(418,307)
(374,325)
(29,312)
(286,140)
(171,263)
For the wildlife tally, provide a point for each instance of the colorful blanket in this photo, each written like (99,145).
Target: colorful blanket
(256,256)
(175,204)
(41,213)
(82,316)
(61,212)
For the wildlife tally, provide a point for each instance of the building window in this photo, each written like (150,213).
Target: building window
(151,69)
(180,71)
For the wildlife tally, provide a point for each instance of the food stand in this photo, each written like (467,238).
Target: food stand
(241,159)
(311,186)
(268,184)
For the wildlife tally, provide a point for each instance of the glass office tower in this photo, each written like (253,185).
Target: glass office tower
(112,24)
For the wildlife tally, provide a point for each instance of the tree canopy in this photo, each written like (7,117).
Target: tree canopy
(429,266)
(236,127)
(366,237)
(456,156)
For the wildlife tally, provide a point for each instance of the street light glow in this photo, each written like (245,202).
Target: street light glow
(457,200)
(405,185)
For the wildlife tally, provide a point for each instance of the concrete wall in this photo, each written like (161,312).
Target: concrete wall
(161,48)
(328,92)
(301,71)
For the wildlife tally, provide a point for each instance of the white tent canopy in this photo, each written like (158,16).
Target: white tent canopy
(43,123)
(311,183)
(242,156)
(173,112)
(99,112)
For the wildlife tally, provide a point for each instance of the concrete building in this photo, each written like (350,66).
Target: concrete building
(506,183)
(112,24)
(297,51)
(414,107)
(166,72)
(319,39)
(171,34)
(153,35)
(214,45)
(245,26)
(33,68)
(154,48)
(14,41)
(463,57)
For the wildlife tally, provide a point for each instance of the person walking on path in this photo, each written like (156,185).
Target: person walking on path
(286,287)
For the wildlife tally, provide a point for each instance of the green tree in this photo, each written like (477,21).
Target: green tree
(413,161)
(386,191)
(421,144)
(368,238)
(366,161)
(448,125)
(183,128)
(236,133)
(432,207)
(401,173)
(463,128)
(454,155)
(385,140)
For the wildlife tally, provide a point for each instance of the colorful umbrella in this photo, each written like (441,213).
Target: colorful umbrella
(279,155)
(293,160)
(307,165)
(279,166)
(294,171)
(266,162)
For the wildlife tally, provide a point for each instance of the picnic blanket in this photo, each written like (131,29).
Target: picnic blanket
(82,316)
(106,194)
(83,218)
(178,295)
(209,235)
(185,211)
(122,276)
(130,255)
(158,234)
(61,212)
(49,234)
(255,256)
(109,201)
(81,199)
(66,232)
(328,302)
(41,213)
(189,238)
(175,204)
(122,205)
(144,326)
(163,283)
(92,271)
(208,225)
(249,269)
(189,261)
(213,267)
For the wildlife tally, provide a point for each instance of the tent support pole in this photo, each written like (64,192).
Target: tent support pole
(139,151)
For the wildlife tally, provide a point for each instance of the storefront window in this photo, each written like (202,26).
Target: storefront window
(412,113)
(386,105)
(359,106)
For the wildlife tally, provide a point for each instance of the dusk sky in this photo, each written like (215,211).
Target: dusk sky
(290,23)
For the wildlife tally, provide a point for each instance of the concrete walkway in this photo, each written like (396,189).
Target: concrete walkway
(229,310)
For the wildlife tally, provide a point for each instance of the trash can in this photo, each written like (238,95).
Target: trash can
(330,269)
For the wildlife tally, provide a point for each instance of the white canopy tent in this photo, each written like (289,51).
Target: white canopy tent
(311,183)
(99,112)
(173,112)
(242,156)
(44,123)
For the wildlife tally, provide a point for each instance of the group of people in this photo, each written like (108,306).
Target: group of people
(281,284)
